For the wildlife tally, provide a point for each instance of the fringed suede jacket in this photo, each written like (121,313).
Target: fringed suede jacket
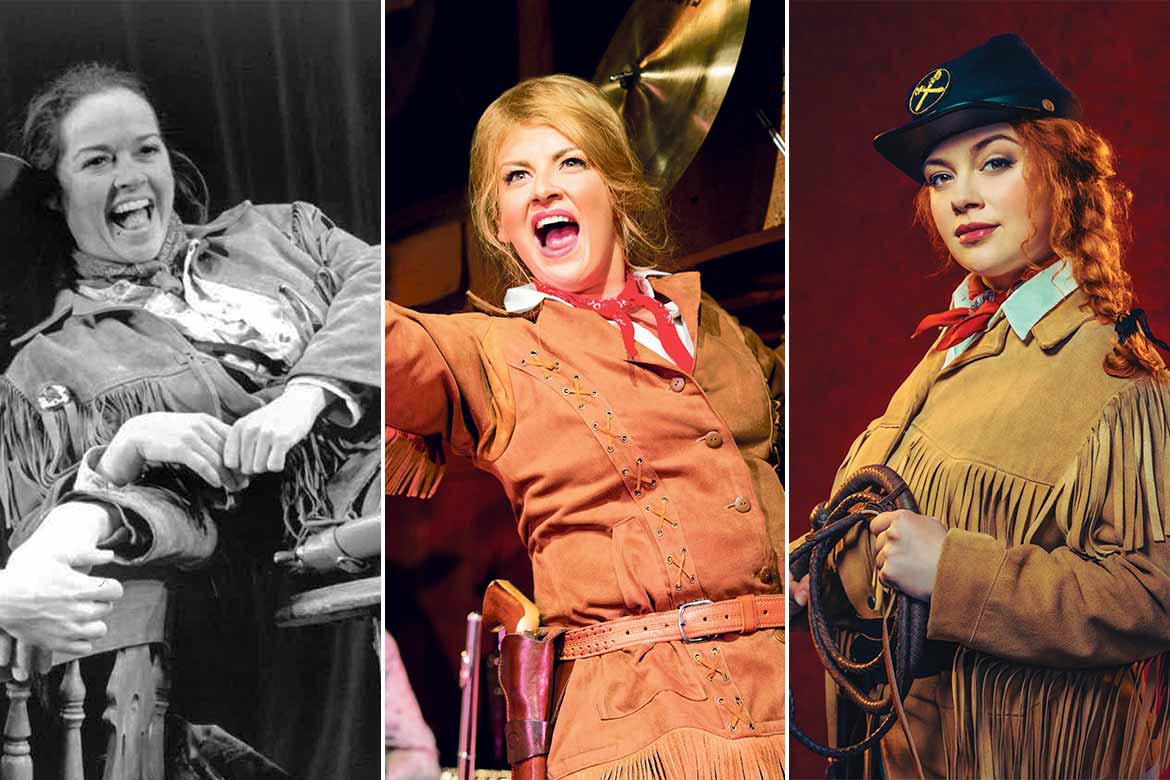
(1051,605)
(637,488)
(93,364)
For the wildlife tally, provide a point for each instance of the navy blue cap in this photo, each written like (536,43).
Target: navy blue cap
(1000,81)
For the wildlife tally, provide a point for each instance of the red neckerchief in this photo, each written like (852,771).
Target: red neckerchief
(966,321)
(618,310)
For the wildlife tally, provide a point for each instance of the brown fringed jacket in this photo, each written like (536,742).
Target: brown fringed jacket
(637,488)
(89,367)
(1053,589)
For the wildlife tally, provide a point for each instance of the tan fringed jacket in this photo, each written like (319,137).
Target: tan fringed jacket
(637,488)
(1054,581)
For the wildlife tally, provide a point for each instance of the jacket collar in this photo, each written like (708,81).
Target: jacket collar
(1064,319)
(68,302)
(63,306)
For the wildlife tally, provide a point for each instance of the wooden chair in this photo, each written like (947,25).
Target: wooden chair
(137,694)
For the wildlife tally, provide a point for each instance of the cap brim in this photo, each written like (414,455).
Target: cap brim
(907,146)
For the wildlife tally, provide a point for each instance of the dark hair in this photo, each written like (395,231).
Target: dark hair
(40,135)
(37,245)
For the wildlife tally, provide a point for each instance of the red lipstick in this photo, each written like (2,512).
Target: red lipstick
(974,232)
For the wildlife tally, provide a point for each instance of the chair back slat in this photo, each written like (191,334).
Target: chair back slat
(130,708)
(72,714)
(16,761)
(155,745)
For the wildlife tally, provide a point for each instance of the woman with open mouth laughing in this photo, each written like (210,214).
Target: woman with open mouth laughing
(1035,437)
(189,376)
(631,421)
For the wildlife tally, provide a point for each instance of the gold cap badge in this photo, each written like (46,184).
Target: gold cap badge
(929,90)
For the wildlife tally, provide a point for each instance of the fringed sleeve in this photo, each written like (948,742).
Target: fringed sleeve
(1062,670)
(1105,598)
(442,381)
(39,461)
(414,464)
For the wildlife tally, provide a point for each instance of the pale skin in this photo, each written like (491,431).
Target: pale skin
(541,171)
(113,153)
(113,156)
(974,178)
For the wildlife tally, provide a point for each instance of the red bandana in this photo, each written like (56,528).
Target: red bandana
(618,310)
(966,321)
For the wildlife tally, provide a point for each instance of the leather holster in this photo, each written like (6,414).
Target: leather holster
(529,681)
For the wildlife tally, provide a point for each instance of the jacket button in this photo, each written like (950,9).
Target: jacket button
(713,439)
(678,383)
(742,504)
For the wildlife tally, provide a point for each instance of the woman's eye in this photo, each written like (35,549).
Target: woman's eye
(997,164)
(573,162)
(96,161)
(938,179)
(150,150)
(512,176)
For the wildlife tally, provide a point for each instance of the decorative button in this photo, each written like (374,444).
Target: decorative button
(713,439)
(678,383)
(52,397)
(742,504)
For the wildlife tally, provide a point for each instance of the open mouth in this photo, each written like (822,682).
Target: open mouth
(131,214)
(557,233)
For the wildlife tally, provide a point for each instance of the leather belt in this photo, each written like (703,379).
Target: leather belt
(691,622)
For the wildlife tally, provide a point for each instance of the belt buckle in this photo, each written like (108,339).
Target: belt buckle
(682,631)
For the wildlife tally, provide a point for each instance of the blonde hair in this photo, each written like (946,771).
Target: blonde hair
(577,110)
(1090,225)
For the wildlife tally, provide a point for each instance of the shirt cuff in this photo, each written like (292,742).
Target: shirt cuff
(345,414)
(131,537)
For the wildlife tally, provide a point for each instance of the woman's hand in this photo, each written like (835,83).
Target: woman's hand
(908,548)
(259,442)
(798,593)
(52,606)
(192,440)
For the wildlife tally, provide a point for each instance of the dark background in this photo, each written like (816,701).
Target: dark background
(274,101)
(861,275)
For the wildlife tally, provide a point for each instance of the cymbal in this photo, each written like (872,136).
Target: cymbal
(667,71)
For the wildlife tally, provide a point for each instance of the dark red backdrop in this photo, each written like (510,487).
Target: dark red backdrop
(860,275)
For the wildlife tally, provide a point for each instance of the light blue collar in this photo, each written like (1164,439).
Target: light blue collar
(1024,307)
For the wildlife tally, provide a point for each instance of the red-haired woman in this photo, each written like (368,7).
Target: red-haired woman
(1035,436)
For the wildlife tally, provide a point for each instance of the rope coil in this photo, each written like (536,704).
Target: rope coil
(870,490)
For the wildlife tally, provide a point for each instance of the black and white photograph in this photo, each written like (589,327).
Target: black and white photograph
(190,446)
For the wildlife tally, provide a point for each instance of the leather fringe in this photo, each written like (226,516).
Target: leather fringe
(414,465)
(696,755)
(1031,722)
(304,486)
(1120,474)
(40,449)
